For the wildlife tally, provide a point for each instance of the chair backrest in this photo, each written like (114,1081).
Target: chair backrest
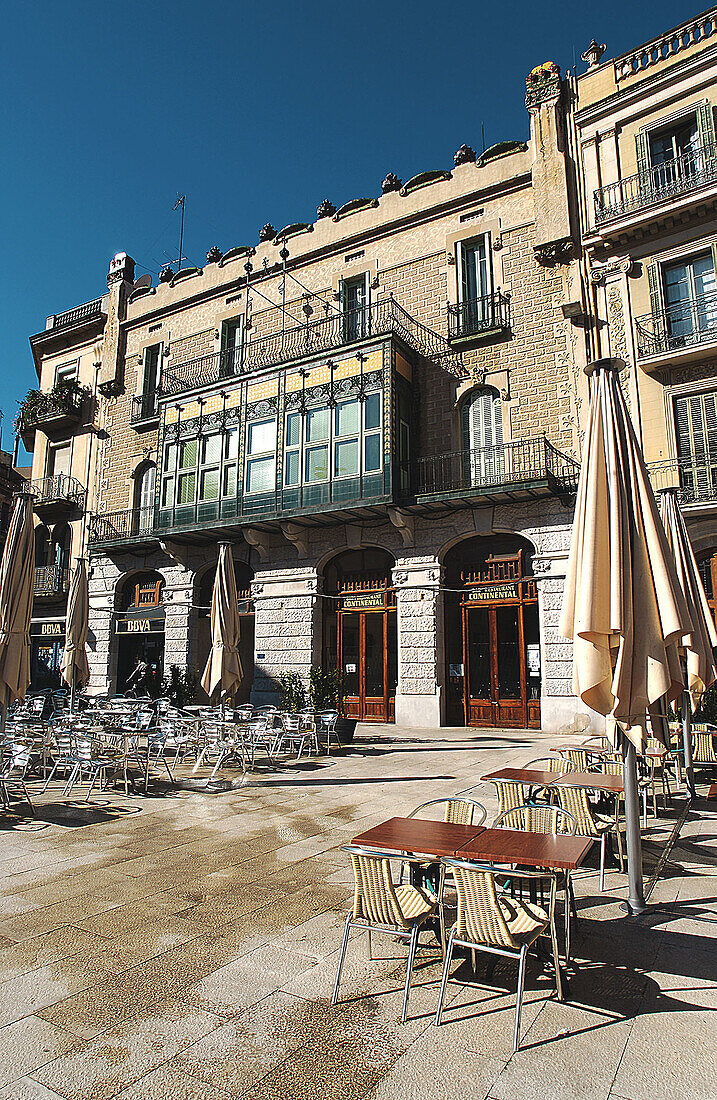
(291,722)
(551,764)
(244,714)
(456,811)
(375,897)
(537,819)
(578,758)
(509,794)
(480,918)
(703,751)
(575,801)
(611,764)
(16,759)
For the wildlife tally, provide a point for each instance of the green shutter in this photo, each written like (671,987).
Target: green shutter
(655,282)
(643,153)
(706,124)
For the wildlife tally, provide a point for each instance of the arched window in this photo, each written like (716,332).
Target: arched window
(42,545)
(144,487)
(61,543)
(482,436)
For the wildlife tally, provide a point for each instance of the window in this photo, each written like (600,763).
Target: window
(151,368)
(696,436)
(144,487)
(200,470)
(474,270)
(355,307)
(261,456)
(482,436)
(690,298)
(67,372)
(666,146)
(58,460)
(338,443)
(232,345)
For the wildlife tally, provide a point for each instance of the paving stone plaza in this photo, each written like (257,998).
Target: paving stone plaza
(184,944)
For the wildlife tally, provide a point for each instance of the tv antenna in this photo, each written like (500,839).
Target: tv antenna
(181,199)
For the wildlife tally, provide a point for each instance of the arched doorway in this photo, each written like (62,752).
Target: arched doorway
(707,565)
(360,633)
(139,628)
(203,630)
(492,634)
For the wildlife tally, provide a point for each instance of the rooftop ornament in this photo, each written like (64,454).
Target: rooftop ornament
(500,149)
(353,207)
(464,155)
(292,230)
(424,179)
(593,54)
(391,183)
(541,83)
(214,254)
(325,209)
(237,253)
(267,233)
(166,274)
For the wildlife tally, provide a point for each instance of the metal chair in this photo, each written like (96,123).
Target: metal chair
(13,768)
(381,906)
(326,724)
(703,745)
(577,758)
(497,924)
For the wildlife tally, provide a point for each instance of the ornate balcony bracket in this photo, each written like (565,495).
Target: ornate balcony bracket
(257,539)
(555,252)
(404,524)
(298,537)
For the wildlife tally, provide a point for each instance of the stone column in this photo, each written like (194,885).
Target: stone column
(177,617)
(419,695)
(102,578)
(286,618)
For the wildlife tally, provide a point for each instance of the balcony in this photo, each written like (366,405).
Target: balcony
(477,317)
(524,469)
(685,327)
(80,315)
(55,412)
(144,409)
(337,330)
(133,526)
(51,581)
(678,182)
(56,496)
(695,482)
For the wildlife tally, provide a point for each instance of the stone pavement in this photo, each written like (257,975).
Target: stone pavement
(184,945)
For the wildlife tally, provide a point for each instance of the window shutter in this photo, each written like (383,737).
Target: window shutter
(643,153)
(654,279)
(706,124)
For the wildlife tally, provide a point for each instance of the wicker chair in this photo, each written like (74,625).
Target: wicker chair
(575,801)
(703,745)
(577,758)
(381,906)
(458,810)
(499,925)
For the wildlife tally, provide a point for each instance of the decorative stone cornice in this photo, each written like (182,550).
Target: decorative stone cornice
(542,83)
(555,252)
(621,265)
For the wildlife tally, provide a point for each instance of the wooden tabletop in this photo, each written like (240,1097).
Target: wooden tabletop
(536,776)
(529,849)
(592,781)
(418,836)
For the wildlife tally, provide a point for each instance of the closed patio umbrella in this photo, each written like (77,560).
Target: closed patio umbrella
(17,570)
(74,667)
(697,646)
(223,668)
(623,605)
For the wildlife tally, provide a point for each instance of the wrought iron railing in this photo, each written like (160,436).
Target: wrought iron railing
(51,580)
(694,482)
(336,330)
(60,488)
(46,407)
(657,184)
(678,326)
(76,316)
(119,526)
(527,463)
(144,407)
(490,313)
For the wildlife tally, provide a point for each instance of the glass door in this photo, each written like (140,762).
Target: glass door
(495,660)
(368,662)
(690,298)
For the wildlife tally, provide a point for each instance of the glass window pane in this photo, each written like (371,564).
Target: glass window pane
(188,454)
(317,424)
(262,436)
(170,457)
(229,485)
(211,448)
(209,484)
(231,443)
(346,458)
(291,468)
(317,464)
(168,492)
(293,430)
(372,452)
(372,411)
(260,475)
(187,485)
(347,418)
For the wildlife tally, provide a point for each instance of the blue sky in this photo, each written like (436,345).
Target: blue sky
(255,111)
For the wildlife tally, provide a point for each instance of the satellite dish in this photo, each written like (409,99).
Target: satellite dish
(144,280)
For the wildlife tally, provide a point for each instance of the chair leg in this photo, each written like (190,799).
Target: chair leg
(444,980)
(409,967)
(567,920)
(370,952)
(27,796)
(619,848)
(344,945)
(602,861)
(47,783)
(519,999)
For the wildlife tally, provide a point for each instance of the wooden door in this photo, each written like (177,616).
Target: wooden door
(366,659)
(494,660)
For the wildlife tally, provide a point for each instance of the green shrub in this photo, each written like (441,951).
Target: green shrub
(179,686)
(324,689)
(292,691)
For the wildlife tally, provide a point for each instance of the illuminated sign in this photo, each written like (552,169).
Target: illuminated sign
(495,592)
(47,630)
(140,626)
(362,601)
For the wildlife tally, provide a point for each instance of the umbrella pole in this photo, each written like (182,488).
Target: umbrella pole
(3,713)
(636,897)
(687,743)
(72,690)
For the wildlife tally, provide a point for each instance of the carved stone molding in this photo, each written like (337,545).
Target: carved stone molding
(298,537)
(541,84)
(267,233)
(464,155)
(214,254)
(259,540)
(391,183)
(621,265)
(555,252)
(325,209)
(541,566)
(404,523)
